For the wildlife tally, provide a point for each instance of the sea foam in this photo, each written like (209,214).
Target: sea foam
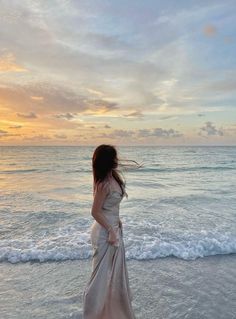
(140,247)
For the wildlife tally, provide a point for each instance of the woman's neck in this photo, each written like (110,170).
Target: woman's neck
(109,175)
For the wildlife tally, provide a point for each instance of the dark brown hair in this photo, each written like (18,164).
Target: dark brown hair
(104,161)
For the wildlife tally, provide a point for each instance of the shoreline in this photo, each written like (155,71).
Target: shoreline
(127,260)
(167,287)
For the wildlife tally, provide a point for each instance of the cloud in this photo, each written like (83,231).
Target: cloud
(225,84)
(37,137)
(93,64)
(209,130)
(37,98)
(159,132)
(60,136)
(117,134)
(142,133)
(4,133)
(101,59)
(56,98)
(30,115)
(15,126)
(123,133)
(168,117)
(106,44)
(99,106)
(135,114)
(129,68)
(66,116)
(8,64)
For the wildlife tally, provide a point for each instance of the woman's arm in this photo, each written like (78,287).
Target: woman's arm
(99,197)
(100,194)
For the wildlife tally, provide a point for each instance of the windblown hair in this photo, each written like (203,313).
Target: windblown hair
(104,161)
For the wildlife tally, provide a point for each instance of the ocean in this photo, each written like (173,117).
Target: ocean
(180,211)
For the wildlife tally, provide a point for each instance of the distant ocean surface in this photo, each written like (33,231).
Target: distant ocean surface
(182,202)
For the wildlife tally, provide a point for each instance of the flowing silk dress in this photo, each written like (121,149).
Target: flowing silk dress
(107,294)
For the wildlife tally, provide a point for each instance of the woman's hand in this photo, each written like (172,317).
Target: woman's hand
(112,237)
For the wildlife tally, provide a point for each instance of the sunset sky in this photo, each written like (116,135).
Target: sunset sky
(125,72)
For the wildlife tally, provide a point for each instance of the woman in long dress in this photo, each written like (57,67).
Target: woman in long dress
(107,294)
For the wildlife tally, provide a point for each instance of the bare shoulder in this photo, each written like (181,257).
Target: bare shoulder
(103,187)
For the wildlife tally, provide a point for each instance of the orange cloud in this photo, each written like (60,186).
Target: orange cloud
(8,64)
(37,98)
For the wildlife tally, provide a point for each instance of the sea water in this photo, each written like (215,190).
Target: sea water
(181,202)
(179,230)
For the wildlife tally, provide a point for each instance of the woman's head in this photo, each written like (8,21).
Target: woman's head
(105,162)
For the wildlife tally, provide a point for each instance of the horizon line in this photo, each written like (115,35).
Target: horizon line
(125,145)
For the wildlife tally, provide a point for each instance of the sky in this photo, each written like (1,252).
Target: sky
(131,72)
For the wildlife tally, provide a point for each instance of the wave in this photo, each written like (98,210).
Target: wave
(41,170)
(186,169)
(141,170)
(139,247)
(18,171)
(82,170)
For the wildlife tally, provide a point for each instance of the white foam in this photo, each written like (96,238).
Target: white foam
(76,245)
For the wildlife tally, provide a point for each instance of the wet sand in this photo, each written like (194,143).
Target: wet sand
(162,289)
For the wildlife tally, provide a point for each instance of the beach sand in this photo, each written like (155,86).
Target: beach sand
(163,288)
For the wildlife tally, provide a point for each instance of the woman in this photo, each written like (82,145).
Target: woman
(107,294)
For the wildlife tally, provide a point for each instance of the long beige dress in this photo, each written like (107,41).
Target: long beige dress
(107,294)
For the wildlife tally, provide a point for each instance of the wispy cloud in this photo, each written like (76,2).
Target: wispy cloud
(66,116)
(69,66)
(37,137)
(60,136)
(8,63)
(2,132)
(37,98)
(30,115)
(134,114)
(15,126)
